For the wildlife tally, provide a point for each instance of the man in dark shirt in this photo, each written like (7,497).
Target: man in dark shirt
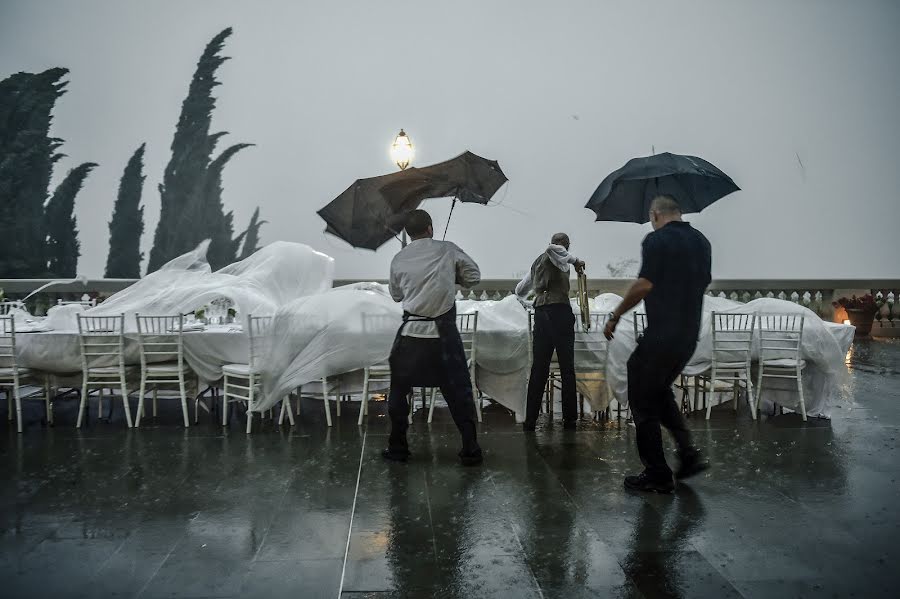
(675,272)
(554,328)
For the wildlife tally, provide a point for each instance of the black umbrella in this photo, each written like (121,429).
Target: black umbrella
(625,195)
(372,211)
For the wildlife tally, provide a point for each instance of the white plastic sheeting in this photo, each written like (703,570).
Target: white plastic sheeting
(346,329)
(821,347)
(328,334)
(258,285)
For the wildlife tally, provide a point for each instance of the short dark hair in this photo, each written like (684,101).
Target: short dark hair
(417,223)
(665,204)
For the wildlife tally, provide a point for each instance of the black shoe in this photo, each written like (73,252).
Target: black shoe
(643,482)
(471,458)
(528,427)
(692,462)
(395,455)
(570,425)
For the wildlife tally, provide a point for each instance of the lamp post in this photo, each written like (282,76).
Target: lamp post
(402,153)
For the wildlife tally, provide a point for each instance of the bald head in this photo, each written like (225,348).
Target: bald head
(665,205)
(663,210)
(560,239)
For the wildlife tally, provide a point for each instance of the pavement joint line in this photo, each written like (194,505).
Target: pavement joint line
(362,454)
(512,527)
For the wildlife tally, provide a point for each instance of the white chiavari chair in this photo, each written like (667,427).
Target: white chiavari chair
(13,377)
(780,344)
(241,382)
(161,340)
(732,344)
(102,341)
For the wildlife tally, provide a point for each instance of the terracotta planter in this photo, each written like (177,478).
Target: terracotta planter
(862,320)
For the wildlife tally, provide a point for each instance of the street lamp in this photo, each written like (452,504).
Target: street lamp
(402,153)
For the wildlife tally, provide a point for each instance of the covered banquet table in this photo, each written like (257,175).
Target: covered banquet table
(320,332)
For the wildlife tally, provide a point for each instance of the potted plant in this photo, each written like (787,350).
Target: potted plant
(200,314)
(861,312)
(232,314)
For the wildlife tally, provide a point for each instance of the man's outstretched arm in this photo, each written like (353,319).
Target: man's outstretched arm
(636,293)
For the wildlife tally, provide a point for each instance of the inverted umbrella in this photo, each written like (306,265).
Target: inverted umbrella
(373,210)
(625,194)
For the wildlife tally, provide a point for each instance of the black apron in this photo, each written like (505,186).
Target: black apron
(429,362)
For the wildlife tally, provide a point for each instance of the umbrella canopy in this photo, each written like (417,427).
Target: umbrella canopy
(625,195)
(372,211)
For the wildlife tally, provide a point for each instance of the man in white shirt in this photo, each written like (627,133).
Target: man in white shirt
(428,350)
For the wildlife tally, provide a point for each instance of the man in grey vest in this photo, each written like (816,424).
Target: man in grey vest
(554,328)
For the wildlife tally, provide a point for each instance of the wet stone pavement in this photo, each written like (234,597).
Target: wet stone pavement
(789,509)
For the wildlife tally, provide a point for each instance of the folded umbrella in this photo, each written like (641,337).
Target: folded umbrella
(625,194)
(373,210)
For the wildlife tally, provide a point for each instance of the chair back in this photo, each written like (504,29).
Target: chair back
(640,323)
(102,341)
(161,338)
(7,342)
(732,337)
(780,336)
(590,345)
(257,330)
(468,327)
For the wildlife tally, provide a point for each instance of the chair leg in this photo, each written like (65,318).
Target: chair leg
(82,405)
(47,391)
(759,382)
(184,405)
(337,409)
(251,382)
(290,409)
(197,401)
(225,401)
(712,385)
(140,407)
(18,404)
(800,390)
(365,398)
(751,403)
(154,402)
(431,405)
(299,397)
(325,400)
(124,402)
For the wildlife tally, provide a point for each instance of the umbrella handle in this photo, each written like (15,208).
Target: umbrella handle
(447,226)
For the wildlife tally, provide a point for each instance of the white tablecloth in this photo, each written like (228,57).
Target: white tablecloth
(58,352)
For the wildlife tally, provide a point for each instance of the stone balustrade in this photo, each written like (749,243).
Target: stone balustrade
(816,294)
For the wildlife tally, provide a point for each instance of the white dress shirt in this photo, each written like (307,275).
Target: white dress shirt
(424,276)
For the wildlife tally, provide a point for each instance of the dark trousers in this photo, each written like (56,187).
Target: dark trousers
(454,382)
(652,369)
(554,329)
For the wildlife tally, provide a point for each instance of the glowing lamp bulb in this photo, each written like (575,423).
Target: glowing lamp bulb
(402,150)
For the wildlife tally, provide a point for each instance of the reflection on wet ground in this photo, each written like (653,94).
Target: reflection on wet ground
(789,510)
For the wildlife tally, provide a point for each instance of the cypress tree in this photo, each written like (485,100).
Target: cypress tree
(190,194)
(62,247)
(220,225)
(127,224)
(251,235)
(27,156)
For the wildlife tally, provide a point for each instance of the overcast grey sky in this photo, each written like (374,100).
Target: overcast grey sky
(561,93)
